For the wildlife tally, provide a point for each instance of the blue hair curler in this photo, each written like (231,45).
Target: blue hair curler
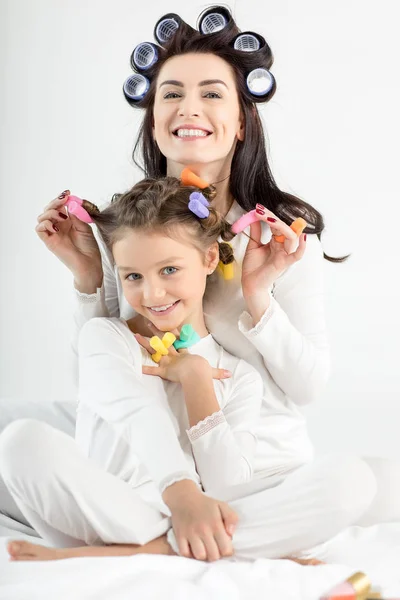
(166,27)
(213,20)
(144,56)
(136,87)
(247,42)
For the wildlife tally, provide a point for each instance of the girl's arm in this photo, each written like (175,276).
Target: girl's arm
(111,383)
(289,328)
(223,441)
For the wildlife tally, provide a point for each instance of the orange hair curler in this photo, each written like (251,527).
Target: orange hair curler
(297,226)
(189,178)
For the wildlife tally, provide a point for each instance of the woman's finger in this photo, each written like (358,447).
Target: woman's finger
(221,374)
(255,236)
(59,201)
(52,215)
(46,226)
(296,256)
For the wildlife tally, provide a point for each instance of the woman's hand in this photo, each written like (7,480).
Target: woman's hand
(203,526)
(73,242)
(177,365)
(263,263)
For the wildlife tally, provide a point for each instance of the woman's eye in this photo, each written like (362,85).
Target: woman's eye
(171,95)
(169,270)
(133,277)
(212,94)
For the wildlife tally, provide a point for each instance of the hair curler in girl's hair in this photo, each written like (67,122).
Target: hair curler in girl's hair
(75,207)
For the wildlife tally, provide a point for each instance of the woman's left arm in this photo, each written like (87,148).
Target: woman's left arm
(288,328)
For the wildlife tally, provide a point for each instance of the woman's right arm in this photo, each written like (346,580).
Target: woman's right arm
(84,253)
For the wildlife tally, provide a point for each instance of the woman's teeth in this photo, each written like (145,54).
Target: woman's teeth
(191,133)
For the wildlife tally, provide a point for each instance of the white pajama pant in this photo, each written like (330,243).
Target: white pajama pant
(71,501)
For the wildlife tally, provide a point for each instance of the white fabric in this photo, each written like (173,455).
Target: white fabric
(69,499)
(116,400)
(289,348)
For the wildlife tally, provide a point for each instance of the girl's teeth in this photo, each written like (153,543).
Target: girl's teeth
(191,133)
(161,308)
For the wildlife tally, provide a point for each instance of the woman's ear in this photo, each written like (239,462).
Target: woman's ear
(212,257)
(240,132)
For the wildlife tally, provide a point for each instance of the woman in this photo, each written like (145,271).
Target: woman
(272,315)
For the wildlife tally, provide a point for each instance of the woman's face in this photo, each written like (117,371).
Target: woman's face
(197,117)
(164,279)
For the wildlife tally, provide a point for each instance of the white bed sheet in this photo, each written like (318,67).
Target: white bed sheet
(374,550)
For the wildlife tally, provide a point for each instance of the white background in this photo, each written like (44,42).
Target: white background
(333,132)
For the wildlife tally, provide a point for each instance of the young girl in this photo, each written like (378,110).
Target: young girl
(148,451)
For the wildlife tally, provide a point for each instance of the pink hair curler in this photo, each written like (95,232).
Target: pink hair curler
(74,206)
(244,221)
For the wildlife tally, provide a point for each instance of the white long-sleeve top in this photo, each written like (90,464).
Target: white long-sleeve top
(288,347)
(216,452)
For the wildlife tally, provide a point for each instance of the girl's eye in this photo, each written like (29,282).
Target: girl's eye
(133,277)
(169,270)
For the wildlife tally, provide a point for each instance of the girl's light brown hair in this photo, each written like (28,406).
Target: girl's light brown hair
(161,205)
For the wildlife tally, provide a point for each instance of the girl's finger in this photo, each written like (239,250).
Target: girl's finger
(212,549)
(184,548)
(144,342)
(221,374)
(198,548)
(155,371)
(224,542)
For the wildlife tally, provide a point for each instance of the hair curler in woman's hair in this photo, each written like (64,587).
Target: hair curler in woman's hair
(136,87)
(166,27)
(214,20)
(144,56)
(260,82)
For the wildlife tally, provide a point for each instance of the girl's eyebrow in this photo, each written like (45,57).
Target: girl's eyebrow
(202,83)
(162,262)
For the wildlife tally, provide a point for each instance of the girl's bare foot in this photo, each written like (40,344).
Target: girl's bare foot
(305,561)
(22,550)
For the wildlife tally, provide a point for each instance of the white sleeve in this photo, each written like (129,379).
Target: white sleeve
(224,443)
(111,383)
(291,335)
(104,303)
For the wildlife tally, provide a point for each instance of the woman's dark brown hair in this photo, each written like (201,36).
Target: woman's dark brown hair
(251,180)
(162,205)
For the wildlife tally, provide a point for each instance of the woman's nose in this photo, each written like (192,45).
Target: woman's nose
(189,107)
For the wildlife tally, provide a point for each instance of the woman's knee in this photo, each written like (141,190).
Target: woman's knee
(350,485)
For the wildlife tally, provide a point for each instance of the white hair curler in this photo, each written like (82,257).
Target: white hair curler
(213,20)
(247,42)
(260,82)
(144,56)
(166,27)
(136,87)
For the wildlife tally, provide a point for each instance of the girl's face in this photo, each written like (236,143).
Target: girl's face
(197,117)
(164,279)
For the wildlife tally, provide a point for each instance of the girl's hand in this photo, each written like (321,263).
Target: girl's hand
(72,241)
(203,526)
(178,364)
(263,263)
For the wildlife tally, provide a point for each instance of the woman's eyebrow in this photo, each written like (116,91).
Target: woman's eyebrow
(201,84)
